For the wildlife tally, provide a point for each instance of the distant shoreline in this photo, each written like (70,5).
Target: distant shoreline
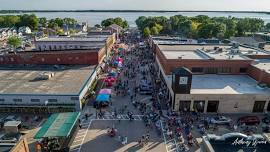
(123,11)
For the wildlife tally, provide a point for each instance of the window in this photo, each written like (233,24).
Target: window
(243,70)
(17,100)
(2,100)
(225,70)
(199,106)
(52,100)
(35,100)
(197,70)
(211,70)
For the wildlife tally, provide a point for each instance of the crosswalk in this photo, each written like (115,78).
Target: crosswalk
(171,145)
(82,132)
(121,117)
(79,138)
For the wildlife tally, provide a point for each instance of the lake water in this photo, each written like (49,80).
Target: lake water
(96,17)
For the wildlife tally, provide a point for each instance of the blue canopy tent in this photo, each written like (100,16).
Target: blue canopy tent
(103,98)
(113,74)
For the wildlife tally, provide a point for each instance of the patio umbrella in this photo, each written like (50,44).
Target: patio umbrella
(103,98)
(105,91)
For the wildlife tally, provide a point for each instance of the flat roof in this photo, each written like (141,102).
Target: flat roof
(182,54)
(66,80)
(224,84)
(73,39)
(263,64)
(58,125)
(203,52)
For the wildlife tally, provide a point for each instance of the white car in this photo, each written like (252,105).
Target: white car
(220,120)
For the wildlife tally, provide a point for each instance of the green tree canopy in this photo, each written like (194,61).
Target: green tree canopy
(119,21)
(201,26)
(14,41)
(146,32)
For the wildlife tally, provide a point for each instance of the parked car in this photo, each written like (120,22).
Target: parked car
(220,120)
(266,119)
(249,120)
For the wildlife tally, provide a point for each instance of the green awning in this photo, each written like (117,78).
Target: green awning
(58,125)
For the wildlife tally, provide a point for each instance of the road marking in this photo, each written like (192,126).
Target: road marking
(75,146)
(166,142)
(81,132)
(76,149)
(79,136)
(85,135)
(77,140)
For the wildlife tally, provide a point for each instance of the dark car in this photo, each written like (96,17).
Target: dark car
(249,120)
(266,119)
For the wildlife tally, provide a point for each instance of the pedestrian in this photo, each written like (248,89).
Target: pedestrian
(119,118)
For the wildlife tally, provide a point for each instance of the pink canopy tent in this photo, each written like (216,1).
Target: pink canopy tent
(105,91)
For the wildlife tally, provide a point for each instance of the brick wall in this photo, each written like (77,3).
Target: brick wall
(260,76)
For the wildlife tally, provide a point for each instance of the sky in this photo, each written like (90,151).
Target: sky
(211,5)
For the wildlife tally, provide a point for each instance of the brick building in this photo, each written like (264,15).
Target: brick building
(224,78)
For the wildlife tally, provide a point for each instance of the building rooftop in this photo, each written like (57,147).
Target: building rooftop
(263,64)
(62,79)
(195,51)
(224,84)
(73,39)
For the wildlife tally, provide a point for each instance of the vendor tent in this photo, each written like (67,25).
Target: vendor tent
(103,98)
(58,125)
(105,91)
(113,74)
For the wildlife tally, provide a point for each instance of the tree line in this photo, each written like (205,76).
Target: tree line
(200,26)
(32,21)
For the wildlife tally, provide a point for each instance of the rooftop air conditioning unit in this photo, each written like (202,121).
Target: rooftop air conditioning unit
(235,45)
(261,45)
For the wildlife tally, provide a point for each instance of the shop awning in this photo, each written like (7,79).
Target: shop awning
(105,91)
(58,125)
(103,98)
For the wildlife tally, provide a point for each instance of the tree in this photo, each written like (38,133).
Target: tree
(107,22)
(98,26)
(146,32)
(14,41)
(43,21)
(267,26)
(154,30)
(119,21)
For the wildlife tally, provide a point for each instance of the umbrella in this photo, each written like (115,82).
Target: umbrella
(105,91)
(103,98)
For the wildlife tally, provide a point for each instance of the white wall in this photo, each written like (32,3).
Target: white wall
(26,99)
